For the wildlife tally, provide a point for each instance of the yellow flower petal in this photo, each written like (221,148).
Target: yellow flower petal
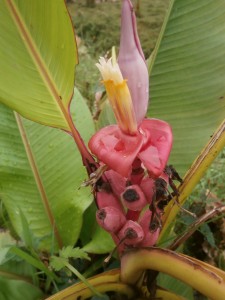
(119,95)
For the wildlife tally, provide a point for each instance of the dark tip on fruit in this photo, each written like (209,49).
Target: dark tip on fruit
(153,226)
(130,233)
(101,214)
(131,195)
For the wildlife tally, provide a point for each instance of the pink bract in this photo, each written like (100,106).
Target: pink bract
(132,62)
(154,155)
(152,145)
(115,149)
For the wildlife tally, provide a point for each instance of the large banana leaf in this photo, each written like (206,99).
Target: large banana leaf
(187,74)
(37,60)
(41,173)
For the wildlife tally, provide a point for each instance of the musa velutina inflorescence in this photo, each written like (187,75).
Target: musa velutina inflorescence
(135,151)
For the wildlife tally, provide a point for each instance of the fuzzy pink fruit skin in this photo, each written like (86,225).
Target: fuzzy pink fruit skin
(116,181)
(105,199)
(110,218)
(150,238)
(134,226)
(135,205)
(147,185)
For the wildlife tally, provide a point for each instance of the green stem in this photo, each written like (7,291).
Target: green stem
(194,174)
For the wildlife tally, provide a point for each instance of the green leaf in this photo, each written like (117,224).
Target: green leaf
(89,224)
(6,241)
(37,58)
(37,263)
(175,286)
(17,268)
(187,76)
(18,289)
(208,235)
(58,263)
(100,243)
(41,173)
(61,261)
(69,251)
(26,232)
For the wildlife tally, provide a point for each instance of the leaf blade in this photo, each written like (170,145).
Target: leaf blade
(60,169)
(37,178)
(42,58)
(187,72)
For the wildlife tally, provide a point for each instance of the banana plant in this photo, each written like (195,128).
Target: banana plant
(127,163)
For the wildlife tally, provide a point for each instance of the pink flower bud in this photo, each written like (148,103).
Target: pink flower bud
(132,62)
(133,198)
(110,218)
(132,233)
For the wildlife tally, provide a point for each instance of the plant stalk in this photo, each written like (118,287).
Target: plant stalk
(105,282)
(192,272)
(194,174)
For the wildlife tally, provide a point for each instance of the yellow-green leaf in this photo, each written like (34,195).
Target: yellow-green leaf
(37,60)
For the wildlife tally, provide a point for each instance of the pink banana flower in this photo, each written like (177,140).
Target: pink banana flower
(126,83)
(135,150)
